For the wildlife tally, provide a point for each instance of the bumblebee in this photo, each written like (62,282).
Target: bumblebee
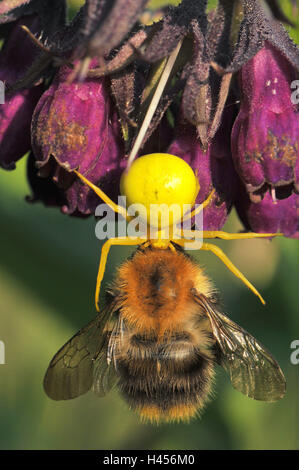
(161,332)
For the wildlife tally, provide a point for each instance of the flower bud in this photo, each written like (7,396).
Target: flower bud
(77,125)
(265,142)
(17,54)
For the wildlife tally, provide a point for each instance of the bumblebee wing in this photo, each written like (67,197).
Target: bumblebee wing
(71,371)
(105,368)
(104,376)
(252,369)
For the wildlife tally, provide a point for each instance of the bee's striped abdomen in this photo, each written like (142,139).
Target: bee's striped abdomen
(164,381)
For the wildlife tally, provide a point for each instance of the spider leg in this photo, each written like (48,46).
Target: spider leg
(103,261)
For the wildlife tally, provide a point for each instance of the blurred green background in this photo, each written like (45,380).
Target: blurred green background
(48,266)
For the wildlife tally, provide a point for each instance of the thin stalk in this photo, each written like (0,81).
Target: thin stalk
(154,103)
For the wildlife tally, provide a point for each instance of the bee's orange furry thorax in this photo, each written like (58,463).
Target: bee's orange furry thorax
(156,285)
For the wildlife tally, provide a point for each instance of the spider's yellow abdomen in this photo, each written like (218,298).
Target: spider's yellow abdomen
(160,178)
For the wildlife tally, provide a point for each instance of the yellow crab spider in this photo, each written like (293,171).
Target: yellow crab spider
(163,179)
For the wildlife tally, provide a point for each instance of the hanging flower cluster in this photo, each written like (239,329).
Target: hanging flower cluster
(77,93)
